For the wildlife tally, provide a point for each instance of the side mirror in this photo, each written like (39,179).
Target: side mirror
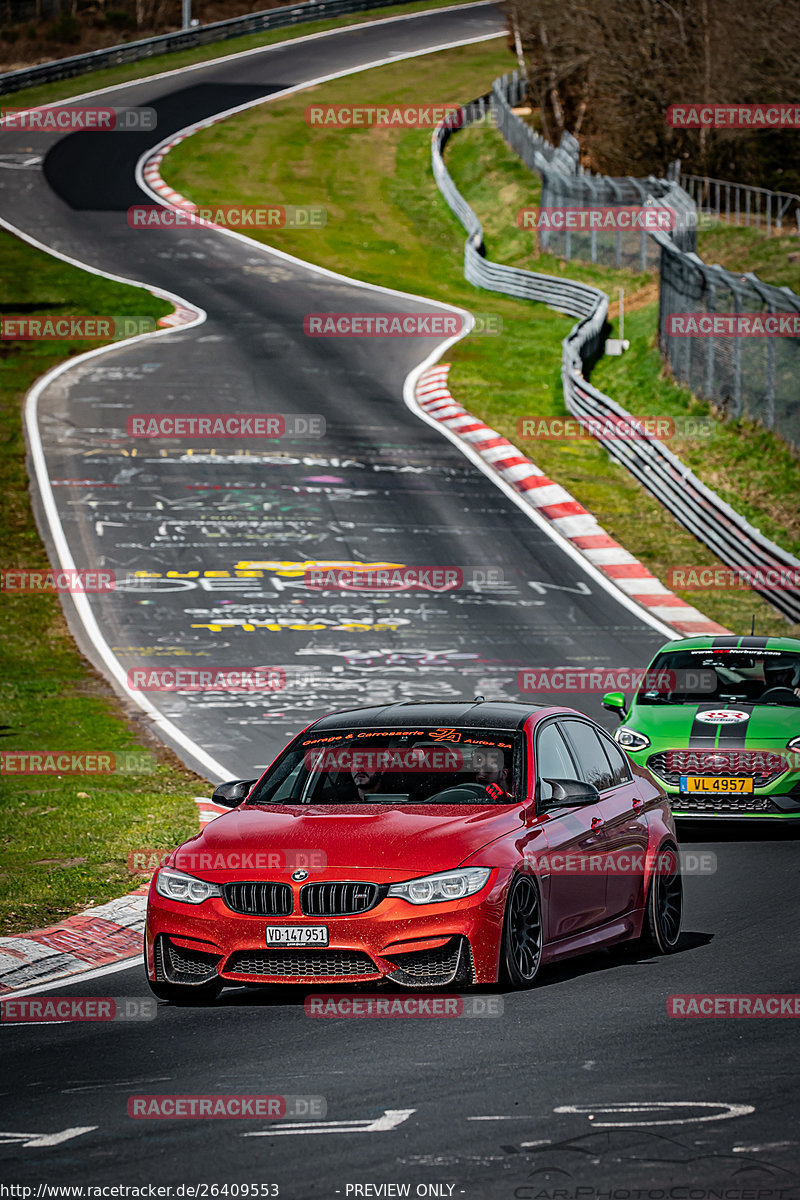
(568,792)
(233,792)
(615,702)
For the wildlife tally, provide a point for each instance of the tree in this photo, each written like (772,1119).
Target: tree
(609,72)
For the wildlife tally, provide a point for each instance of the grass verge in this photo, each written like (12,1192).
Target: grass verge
(65,839)
(388,224)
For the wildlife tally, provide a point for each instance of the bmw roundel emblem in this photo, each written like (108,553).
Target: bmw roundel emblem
(299,875)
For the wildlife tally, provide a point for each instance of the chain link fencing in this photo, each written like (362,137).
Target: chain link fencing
(741,203)
(697,507)
(738,365)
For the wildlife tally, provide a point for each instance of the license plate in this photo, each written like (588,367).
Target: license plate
(715,784)
(297,935)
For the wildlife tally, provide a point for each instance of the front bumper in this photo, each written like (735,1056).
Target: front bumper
(785,807)
(773,798)
(415,946)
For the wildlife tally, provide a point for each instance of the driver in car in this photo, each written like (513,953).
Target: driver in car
(492,772)
(366,782)
(782,676)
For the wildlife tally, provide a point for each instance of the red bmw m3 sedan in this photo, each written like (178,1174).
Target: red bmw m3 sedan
(427,844)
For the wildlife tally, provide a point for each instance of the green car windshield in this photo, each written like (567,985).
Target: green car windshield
(740,676)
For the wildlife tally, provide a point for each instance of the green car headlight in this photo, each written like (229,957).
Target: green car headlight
(631,740)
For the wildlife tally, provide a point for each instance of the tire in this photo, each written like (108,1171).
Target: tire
(521,949)
(184,994)
(664,906)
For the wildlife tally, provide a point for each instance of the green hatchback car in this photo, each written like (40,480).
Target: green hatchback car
(717,722)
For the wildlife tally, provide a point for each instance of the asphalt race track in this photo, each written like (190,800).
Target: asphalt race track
(704,1103)
(380,486)
(515,1106)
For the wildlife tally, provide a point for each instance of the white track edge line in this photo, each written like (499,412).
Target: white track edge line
(66,561)
(409,395)
(63,552)
(122,964)
(435,355)
(82,606)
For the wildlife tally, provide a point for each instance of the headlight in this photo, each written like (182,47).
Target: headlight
(174,885)
(793,744)
(631,740)
(450,885)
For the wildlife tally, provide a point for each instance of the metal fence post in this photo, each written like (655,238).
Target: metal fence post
(737,356)
(711,307)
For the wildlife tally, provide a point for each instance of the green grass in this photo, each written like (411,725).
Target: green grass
(387,223)
(748,466)
(114,76)
(64,840)
(774,259)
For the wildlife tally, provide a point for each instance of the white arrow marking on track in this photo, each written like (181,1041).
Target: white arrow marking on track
(36,1140)
(391,1118)
(636,1107)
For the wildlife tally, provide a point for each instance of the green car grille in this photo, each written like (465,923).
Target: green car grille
(721,804)
(761,765)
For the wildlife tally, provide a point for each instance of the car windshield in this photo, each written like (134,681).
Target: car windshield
(769,677)
(384,766)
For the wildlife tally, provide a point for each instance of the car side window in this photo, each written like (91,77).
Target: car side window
(620,767)
(589,754)
(553,760)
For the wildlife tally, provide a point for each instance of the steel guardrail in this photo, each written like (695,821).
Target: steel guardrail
(699,509)
(745,376)
(183,39)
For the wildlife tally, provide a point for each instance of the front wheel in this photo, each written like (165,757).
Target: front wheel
(664,905)
(521,951)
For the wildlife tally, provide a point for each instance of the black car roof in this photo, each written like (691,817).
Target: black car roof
(482,714)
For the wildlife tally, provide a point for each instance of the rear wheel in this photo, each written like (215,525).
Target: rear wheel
(664,906)
(522,933)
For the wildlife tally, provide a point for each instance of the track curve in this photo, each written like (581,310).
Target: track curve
(516,1107)
(379,487)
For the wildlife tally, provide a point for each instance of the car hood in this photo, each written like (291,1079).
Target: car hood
(375,841)
(678,725)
